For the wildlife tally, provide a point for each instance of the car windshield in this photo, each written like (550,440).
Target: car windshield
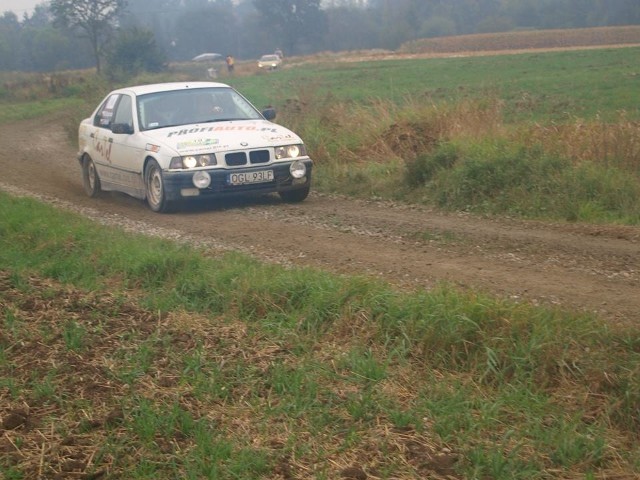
(189,106)
(270,58)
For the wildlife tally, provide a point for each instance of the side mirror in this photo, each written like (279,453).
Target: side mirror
(122,128)
(269,113)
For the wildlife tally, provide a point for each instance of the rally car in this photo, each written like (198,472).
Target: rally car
(171,142)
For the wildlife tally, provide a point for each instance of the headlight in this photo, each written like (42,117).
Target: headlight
(192,161)
(201,179)
(290,151)
(298,169)
(189,162)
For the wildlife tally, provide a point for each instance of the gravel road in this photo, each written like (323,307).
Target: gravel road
(573,266)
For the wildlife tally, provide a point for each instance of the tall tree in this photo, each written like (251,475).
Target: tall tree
(40,18)
(350,28)
(134,51)
(293,22)
(160,18)
(10,42)
(210,27)
(96,19)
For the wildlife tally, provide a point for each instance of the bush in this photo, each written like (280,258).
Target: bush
(526,181)
(596,193)
(505,180)
(425,167)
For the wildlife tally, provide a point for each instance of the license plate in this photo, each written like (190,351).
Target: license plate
(244,178)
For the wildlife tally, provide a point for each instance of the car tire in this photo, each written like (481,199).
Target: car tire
(295,196)
(90,178)
(154,189)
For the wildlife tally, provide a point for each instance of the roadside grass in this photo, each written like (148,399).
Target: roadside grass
(31,95)
(465,156)
(13,112)
(127,356)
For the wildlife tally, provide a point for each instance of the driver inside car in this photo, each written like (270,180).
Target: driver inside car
(206,109)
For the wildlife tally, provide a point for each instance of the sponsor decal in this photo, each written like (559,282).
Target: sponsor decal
(102,146)
(198,142)
(221,128)
(279,138)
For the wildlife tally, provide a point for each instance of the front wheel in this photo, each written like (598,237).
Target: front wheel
(154,187)
(90,179)
(295,196)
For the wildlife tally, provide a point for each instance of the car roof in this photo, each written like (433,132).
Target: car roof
(167,87)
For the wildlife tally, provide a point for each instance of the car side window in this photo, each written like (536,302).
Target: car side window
(104,116)
(124,111)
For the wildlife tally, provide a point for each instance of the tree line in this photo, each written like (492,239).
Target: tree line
(130,35)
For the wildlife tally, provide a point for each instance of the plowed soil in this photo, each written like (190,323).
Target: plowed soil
(573,266)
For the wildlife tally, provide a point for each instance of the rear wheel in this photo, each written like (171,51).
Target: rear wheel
(90,179)
(295,196)
(154,187)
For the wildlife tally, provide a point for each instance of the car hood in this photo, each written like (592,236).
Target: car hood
(221,136)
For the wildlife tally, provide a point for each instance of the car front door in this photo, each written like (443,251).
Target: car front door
(126,153)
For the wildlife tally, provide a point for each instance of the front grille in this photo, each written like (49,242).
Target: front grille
(259,156)
(238,159)
(235,159)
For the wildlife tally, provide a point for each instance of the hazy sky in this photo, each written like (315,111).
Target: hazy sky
(19,7)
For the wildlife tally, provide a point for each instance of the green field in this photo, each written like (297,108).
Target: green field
(128,357)
(123,356)
(539,87)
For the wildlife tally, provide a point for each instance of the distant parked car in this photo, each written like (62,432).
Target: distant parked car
(207,57)
(270,62)
(170,142)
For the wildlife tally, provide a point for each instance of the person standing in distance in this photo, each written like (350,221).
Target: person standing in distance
(230,63)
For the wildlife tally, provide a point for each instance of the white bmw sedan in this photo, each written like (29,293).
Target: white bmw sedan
(170,142)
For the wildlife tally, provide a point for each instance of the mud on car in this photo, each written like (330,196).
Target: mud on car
(173,142)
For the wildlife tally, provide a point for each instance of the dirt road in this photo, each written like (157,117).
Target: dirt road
(580,267)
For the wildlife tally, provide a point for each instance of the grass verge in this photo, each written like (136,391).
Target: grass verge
(123,356)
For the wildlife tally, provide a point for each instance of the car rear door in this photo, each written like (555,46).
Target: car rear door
(117,144)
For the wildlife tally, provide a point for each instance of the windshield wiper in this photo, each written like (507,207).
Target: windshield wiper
(213,120)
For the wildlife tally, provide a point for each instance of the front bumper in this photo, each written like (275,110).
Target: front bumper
(179,184)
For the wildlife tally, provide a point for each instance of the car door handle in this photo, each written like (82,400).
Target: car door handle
(110,140)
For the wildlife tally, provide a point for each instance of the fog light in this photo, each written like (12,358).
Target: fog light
(201,179)
(298,169)
(190,192)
